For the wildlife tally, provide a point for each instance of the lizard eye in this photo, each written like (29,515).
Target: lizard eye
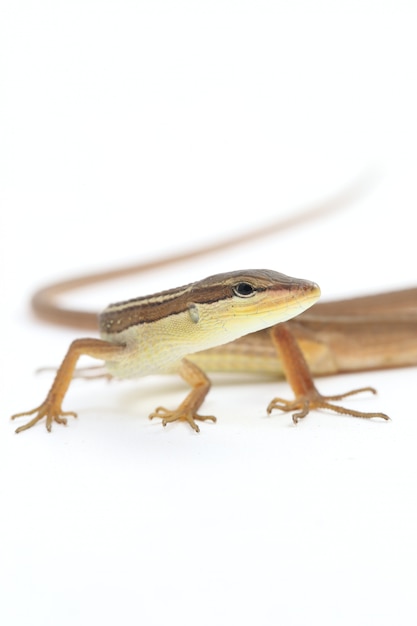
(244,290)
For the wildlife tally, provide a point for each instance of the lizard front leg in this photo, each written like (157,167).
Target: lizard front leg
(51,408)
(298,374)
(187,410)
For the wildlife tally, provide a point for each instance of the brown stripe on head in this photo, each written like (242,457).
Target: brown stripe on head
(122,315)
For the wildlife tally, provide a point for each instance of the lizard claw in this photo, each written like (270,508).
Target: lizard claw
(302,404)
(180,415)
(48,410)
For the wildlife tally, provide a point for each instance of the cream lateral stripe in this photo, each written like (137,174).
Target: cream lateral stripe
(158,298)
(152,310)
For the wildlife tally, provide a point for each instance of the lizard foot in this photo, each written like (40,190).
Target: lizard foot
(303,404)
(180,415)
(49,410)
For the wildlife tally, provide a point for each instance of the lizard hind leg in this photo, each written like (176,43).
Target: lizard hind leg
(307,396)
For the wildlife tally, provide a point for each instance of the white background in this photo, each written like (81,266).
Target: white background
(134,129)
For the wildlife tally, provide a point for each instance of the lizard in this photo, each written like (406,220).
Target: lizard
(241,321)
